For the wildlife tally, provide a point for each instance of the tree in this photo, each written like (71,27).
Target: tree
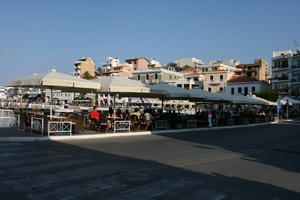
(269,95)
(87,75)
(98,71)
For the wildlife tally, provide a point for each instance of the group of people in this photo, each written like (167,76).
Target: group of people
(143,119)
(140,119)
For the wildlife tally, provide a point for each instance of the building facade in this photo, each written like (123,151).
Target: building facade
(258,70)
(240,84)
(109,64)
(138,63)
(281,71)
(2,92)
(84,65)
(152,76)
(216,76)
(295,75)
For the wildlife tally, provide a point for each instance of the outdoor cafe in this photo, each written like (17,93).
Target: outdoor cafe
(49,119)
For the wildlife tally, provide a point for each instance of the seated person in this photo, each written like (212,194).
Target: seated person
(94,114)
(136,112)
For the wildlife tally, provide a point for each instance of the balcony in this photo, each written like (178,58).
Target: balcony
(280,79)
(275,69)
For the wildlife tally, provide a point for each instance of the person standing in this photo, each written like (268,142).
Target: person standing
(209,116)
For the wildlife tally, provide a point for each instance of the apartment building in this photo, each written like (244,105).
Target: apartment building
(84,65)
(295,75)
(109,64)
(216,76)
(138,63)
(257,70)
(159,75)
(285,64)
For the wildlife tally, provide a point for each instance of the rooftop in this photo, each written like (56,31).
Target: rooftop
(241,78)
(136,59)
(188,69)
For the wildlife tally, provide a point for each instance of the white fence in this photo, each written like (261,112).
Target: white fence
(37,124)
(122,126)
(7,118)
(57,127)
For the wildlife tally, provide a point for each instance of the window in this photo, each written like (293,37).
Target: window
(139,77)
(211,78)
(221,77)
(221,89)
(209,89)
(240,90)
(253,90)
(245,91)
(147,76)
(156,76)
(170,77)
(285,64)
(232,91)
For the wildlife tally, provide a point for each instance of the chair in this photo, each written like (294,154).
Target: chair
(134,122)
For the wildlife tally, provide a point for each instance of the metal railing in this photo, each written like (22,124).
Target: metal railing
(37,124)
(191,123)
(122,126)
(7,118)
(230,122)
(17,121)
(161,124)
(215,122)
(64,127)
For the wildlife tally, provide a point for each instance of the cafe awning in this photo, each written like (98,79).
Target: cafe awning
(55,80)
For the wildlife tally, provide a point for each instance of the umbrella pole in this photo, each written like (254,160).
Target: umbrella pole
(50,102)
(287,111)
(114,101)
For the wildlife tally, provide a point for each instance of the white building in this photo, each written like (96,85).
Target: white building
(154,63)
(285,72)
(192,62)
(239,84)
(2,92)
(110,63)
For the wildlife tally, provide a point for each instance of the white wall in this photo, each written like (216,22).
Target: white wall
(257,85)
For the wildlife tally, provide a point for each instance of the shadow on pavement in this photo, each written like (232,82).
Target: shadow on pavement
(120,177)
(281,141)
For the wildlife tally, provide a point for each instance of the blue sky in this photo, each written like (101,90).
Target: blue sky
(39,35)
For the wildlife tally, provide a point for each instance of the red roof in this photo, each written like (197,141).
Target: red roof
(194,74)
(188,69)
(217,70)
(241,78)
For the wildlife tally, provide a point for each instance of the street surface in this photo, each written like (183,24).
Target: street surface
(240,164)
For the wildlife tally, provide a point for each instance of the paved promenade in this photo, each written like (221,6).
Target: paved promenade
(244,163)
